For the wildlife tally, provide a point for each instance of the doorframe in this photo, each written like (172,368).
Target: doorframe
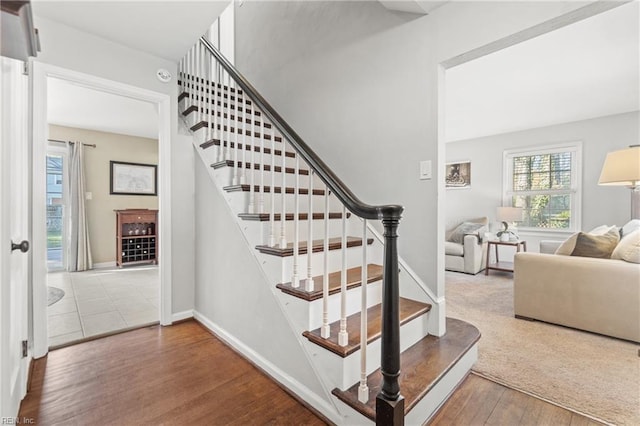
(40,74)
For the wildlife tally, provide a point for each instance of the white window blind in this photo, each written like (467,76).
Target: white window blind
(545,183)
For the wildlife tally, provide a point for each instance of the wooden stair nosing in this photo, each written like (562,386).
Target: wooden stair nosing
(205,124)
(264,217)
(354,279)
(316,247)
(267,189)
(208,98)
(256,166)
(196,79)
(232,106)
(423,365)
(225,116)
(247,147)
(409,310)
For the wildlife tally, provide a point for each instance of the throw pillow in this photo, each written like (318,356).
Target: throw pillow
(629,227)
(628,249)
(601,246)
(465,228)
(567,246)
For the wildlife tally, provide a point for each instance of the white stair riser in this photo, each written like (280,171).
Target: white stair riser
(308,315)
(240,201)
(346,371)
(280,269)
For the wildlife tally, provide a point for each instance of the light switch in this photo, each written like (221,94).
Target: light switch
(425,169)
(88,195)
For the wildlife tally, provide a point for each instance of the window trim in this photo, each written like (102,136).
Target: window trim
(574,147)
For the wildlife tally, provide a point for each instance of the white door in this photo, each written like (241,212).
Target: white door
(14,228)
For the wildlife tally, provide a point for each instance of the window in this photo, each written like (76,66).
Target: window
(546,183)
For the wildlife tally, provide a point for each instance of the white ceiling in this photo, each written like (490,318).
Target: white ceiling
(422,7)
(162,28)
(585,70)
(76,106)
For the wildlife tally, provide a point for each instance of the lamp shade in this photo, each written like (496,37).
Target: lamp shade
(509,214)
(622,167)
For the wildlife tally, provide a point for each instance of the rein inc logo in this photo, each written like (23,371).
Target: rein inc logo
(17,421)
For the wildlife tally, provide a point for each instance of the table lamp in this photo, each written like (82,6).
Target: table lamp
(508,215)
(622,168)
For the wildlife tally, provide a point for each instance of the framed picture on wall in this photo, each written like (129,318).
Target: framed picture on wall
(133,178)
(458,175)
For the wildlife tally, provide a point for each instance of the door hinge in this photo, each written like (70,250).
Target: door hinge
(25,348)
(25,69)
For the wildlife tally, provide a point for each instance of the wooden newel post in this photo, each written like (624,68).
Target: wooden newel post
(389,402)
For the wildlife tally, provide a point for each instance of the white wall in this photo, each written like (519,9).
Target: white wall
(233,294)
(360,84)
(76,50)
(600,204)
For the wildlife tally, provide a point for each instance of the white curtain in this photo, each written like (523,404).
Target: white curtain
(79,248)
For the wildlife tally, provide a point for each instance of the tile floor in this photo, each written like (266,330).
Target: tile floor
(102,301)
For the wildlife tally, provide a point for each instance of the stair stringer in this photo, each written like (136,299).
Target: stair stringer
(250,317)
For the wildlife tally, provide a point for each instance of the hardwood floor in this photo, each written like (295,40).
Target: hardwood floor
(479,401)
(184,375)
(157,375)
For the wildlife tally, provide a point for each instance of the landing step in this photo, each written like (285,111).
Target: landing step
(264,217)
(278,190)
(354,279)
(212,142)
(422,367)
(226,116)
(409,309)
(255,166)
(316,247)
(205,124)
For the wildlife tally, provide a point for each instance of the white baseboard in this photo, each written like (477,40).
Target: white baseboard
(179,316)
(103,265)
(273,371)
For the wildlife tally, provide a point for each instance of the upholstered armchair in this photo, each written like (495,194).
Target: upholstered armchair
(464,248)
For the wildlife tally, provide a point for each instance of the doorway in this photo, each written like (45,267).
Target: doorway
(95,291)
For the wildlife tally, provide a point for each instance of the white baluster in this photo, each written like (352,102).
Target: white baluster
(308,284)
(190,74)
(343,335)
(236,124)
(252,168)
(325,331)
(295,279)
(363,389)
(208,96)
(243,172)
(219,113)
(261,136)
(283,215)
(227,139)
(272,218)
(197,82)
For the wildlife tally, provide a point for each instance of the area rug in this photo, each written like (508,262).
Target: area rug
(54,294)
(594,375)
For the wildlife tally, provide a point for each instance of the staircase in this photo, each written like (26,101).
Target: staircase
(361,316)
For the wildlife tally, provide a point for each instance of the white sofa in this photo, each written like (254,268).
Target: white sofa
(470,256)
(592,294)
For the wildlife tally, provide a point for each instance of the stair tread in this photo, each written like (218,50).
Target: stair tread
(267,150)
(354,275)
(226,105)
(203,124)
(225,116)
(256,166)
(264,217)
(278,189)
(422,366)
(317,246)
(409,310)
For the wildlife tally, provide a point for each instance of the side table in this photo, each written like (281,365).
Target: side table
(498,265)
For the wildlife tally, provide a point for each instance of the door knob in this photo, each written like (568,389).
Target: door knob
(23,246)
